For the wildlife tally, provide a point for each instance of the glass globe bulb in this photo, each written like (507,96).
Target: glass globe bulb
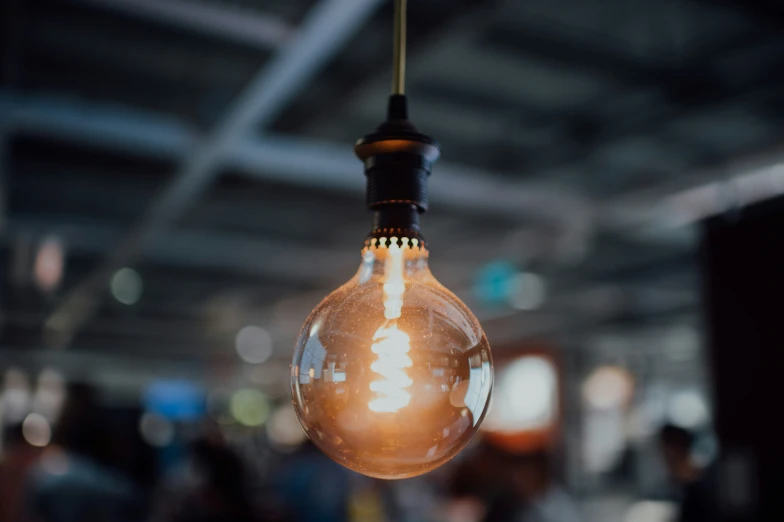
(392,373)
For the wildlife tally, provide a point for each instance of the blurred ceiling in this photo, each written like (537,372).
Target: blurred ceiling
(208,144)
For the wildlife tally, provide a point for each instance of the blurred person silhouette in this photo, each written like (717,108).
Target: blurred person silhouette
(17,459)
(71,481)
(479,491)
(498,486)
(214,486)
(698,500)
(543,500)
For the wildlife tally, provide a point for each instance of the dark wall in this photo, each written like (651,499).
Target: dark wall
(743,265)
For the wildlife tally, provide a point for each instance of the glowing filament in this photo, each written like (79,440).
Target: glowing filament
(392,347)
(389,343)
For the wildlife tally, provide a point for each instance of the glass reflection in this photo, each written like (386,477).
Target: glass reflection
(392,373)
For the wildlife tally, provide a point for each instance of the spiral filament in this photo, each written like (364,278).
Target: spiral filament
(392,347)
(389,343)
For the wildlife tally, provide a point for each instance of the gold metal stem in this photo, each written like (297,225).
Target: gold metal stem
(399,71)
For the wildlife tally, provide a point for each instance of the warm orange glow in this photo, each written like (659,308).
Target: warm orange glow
(391,373)
(392,347)
(389,343)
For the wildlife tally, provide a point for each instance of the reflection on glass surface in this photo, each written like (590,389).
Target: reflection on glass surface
(392,373)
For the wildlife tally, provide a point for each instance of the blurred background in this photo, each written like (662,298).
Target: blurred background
(178,190)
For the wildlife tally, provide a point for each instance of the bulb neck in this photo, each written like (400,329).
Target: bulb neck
(396,221)
(378,253)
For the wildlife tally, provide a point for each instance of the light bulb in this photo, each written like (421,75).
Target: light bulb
(392,373)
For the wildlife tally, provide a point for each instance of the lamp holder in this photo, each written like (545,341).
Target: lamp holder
(398,161)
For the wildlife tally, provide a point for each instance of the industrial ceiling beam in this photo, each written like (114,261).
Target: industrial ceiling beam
(106,127)
(225,21)
(289,160)
(129,371)
(689,199)
(327,27)
(202,250)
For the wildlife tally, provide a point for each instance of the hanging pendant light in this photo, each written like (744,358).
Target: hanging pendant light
(392,373)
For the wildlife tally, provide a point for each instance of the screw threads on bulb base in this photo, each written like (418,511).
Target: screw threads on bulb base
(398,160)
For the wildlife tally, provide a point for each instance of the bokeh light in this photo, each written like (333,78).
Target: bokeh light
(175,399)
(528,291)
(49,264)
(608,387)
(250,407)
(525,396)
(36,430)
(157,431)
(688,409)
(127,286)
(494,283)
(651,511)
(254,344)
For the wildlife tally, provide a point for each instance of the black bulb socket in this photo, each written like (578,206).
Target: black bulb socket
(398,161)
